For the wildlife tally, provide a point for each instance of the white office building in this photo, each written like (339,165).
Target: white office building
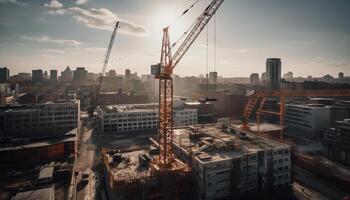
(139,118)
(309,120)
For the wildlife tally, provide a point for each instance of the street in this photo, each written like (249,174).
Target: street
(323,186)
(85,163)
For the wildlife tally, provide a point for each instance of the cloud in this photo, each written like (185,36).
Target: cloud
(329,62)
(14,2)
(104,19)
(55,7)
(51,40)
(55,51)
(57,11)
(319,58)
(79,2)
(94,49)
(241,51)
(337,64)
(54,4)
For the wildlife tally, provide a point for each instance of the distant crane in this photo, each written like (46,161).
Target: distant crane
(163,72)
(100,79)
(258,99)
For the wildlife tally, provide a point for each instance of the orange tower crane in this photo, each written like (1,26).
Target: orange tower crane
(258,99)
(163,72)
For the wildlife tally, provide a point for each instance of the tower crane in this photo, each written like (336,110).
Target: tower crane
(258,99)
(100,79)
(163,72)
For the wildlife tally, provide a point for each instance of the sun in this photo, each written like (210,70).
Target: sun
(169,18)
(164,19)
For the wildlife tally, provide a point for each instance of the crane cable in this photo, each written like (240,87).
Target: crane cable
(188,9)
(214,42)
(189,28)
(207,44)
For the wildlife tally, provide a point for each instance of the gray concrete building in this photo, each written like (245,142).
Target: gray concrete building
(53,74)
(80,74)
(37,75)
(309,120)
(230,164)
(67,74)
(40,120)
(336,142)
(254,79)
(213,77)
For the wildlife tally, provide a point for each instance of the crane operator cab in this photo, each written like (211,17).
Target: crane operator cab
(156,69)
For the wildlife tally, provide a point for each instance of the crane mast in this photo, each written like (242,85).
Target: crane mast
(163,72)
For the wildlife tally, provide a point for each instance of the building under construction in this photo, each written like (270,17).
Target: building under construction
(223,163)
(129,175)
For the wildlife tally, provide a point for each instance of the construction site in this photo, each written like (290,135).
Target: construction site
(229,159)
(160,136)
(211,162)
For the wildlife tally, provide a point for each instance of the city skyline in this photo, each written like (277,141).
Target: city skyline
(311,38)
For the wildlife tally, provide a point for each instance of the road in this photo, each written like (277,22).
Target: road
(325,187)
(303,192)
(85,162)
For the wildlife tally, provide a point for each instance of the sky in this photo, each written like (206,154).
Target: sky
(312,37)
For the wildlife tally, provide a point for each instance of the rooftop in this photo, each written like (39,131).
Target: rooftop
(33,107)
(129,108)
(68,137)
(313,106)
(47,193)
(128,165)
(210,143)
(46,172)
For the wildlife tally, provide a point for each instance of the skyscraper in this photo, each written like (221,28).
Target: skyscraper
(263,77)
(53,74)
(80,74)
(273,73)
(254,79)
(37,75)
(67,74)
(213,77)
(127,74)
(4,74)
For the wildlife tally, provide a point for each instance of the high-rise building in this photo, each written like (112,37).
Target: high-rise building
(263,77)
(288,75)
(46,75)
(53,74)
(37,75)
(4,74)
(213,77)
(254,79)
(111,73)
(341,75)
(67,74)
(273,73)
(127,74)
(80,74)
